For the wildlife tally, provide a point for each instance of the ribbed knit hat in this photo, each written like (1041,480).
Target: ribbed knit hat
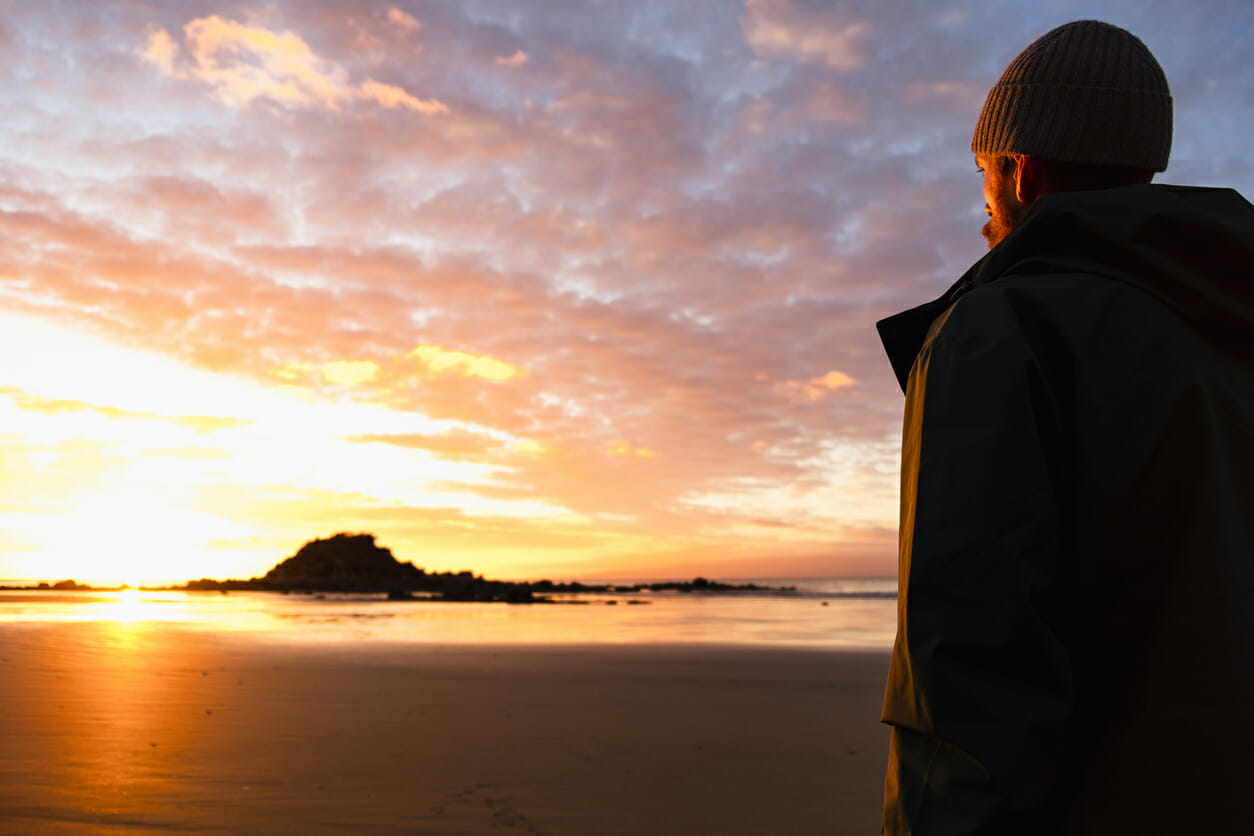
(1086,92)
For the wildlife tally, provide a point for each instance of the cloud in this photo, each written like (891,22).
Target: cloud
(391,97)
(817,388)
(429,377)
(437,360)
(455,444)
(336,372)
(783,29)
(245,63)
(55,406)
(402,20)
(624,448)
(516,60)
(161,51)
(207,423)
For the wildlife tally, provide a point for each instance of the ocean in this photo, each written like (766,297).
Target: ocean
(819,613)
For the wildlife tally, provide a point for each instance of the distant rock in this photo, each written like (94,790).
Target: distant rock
(346,563)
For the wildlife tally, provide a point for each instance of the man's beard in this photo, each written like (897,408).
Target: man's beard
(995,230)
(1001,225)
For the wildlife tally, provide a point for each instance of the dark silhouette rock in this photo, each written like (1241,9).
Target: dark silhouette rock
(344,562)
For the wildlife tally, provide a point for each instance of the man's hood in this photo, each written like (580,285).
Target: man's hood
(1192,248)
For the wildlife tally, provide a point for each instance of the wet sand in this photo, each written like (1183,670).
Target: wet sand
(142,728)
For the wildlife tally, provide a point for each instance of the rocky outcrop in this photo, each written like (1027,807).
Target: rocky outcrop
(344,563)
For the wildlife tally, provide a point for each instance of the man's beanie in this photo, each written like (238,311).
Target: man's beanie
(1086,92)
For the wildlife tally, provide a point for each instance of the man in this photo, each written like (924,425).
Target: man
(1075,645)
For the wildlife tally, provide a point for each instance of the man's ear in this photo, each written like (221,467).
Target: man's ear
(1027,178)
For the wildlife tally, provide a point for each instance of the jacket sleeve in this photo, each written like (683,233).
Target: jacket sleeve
(979,687)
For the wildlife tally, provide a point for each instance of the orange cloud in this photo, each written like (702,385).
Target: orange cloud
(286,69)
(454,444)
(441,382)
(350,372)
(336,372)
(817,388)
(161,50)
(246,63)
(53,406)
(464,445)
(438,360)
(624,448)
(207,423)
(391,97)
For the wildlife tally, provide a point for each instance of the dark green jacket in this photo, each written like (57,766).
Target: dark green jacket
(1075,645)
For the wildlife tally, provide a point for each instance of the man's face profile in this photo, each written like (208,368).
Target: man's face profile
(1000,201)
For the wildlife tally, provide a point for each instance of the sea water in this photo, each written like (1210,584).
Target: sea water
(816,613)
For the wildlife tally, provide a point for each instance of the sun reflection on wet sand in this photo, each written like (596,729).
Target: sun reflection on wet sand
(127,607)
(106,713)
(334,619)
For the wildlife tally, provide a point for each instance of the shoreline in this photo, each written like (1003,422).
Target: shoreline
(126,728)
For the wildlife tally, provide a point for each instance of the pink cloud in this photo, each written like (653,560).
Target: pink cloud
(783,29)
(516,60)
(403,20)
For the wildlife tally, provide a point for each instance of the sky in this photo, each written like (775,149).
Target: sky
(564,289)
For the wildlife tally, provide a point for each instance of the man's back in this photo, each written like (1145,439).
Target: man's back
(1162,441)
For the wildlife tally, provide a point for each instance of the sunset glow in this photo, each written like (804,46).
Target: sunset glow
(581,290)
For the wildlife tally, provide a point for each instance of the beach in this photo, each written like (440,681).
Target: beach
(151,727)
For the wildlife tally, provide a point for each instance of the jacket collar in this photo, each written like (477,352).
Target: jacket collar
(903,334)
